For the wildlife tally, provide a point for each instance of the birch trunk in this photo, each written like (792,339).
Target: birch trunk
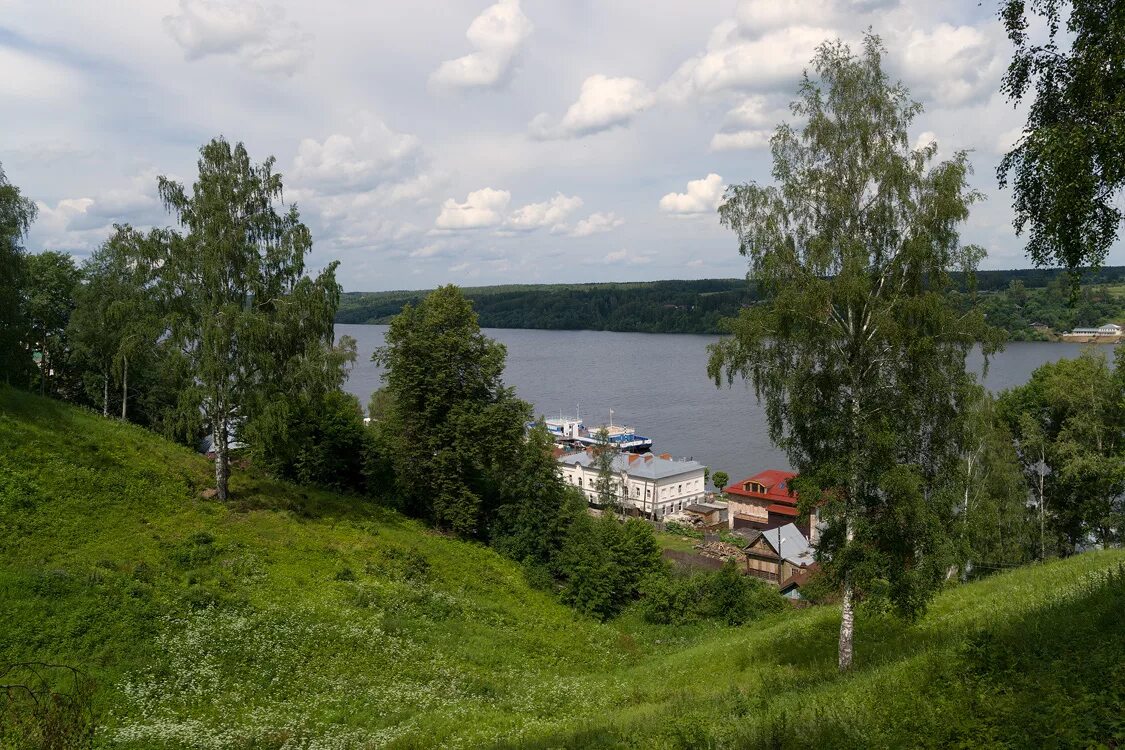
(222,460)
(847,628)
(124,386)
(105,394)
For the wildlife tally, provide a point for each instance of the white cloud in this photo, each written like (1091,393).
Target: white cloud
(702,196)
(757,17)
(953,65)
(550,213)
(596,223)
(603,103)
(734,61)
(925,139)
(749,125)
(627,257)
(257,34)
(498,35)
(482,208)
(370,155)
(1007,140)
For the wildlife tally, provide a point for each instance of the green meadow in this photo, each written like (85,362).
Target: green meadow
(294,618)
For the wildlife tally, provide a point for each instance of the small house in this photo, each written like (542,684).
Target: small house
(777,555)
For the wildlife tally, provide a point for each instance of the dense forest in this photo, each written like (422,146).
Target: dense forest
(1014,300)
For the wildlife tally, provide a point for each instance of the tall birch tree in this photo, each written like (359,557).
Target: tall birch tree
(235,285)
(855,350)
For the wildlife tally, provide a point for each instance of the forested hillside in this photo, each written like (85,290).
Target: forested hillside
(297,618)
(1013,300)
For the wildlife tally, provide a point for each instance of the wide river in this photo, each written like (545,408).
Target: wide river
(658,384)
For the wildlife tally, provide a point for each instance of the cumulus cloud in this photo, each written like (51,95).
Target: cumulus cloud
(737,59)
(954,65)
(596,223)
(925,139)
(482,208)
(550,213)
(626,256)
(497,34)
(83,223)
(371,154)
(702,196)
(603,103)
(29,77)
(257,34)
(749,125)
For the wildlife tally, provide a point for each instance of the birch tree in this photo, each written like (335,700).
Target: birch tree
(233,282)
(855,350)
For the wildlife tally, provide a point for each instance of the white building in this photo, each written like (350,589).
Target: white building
(1109,329)
(654,485)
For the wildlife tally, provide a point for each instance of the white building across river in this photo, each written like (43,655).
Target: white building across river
(654,485)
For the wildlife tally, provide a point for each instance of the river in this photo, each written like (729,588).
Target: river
(658,384)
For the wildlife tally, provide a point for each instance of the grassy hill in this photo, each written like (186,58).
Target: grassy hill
(294,618)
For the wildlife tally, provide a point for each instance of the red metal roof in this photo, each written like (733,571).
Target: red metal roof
(776,483)
(785,510)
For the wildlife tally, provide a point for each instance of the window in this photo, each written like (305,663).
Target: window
(680,490)
(579,481)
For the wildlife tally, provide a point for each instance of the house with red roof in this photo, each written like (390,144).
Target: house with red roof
(765,501)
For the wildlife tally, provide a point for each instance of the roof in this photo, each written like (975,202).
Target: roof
(793,545)
(775,481)
(647,466)
(701,508)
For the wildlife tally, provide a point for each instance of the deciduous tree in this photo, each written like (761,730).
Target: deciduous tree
(856,351)
(16,216)
(234,282)
(453,429)
(1067,170)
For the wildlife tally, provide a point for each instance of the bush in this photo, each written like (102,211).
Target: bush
(725,595)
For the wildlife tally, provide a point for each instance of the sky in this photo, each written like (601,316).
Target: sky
(468,141)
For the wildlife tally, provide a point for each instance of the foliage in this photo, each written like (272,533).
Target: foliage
(16,216)
(857,352)
(117,324)
(208,625)
(690,306)
(603,562)
(249,321)
(725,595)
(537,508)
(1067,169)
(453,429)
(606,487)
(50,283)
(45,706)
(993,525)
(1069,426)
(720,479)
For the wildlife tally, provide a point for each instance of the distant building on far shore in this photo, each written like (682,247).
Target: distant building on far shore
(1108,330)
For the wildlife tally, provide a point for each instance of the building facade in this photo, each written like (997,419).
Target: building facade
(654,486)
(765,501)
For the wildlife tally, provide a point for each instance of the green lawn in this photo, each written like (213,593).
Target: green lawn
(295,618)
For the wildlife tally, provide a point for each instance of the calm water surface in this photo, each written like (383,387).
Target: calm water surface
(658,384)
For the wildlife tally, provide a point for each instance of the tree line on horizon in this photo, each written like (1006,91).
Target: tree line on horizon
(1015,301)
(856,348)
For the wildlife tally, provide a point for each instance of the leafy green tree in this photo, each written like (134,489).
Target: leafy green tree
(1069,424)
(16,216)
(720,479)
(856,350)
(117,318)
(537,508)
(605,483)
(993,522)
(51,282)
(453,429)
(240,306)
(1069,167)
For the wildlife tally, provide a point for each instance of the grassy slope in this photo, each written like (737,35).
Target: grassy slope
(303,619)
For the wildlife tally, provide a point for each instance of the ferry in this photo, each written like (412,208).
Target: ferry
(572,430)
